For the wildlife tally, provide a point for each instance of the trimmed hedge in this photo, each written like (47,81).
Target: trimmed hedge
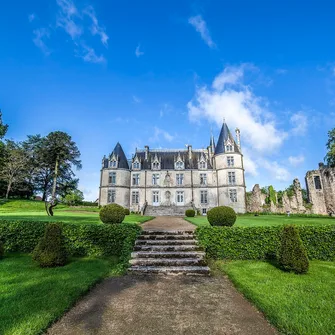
(221,216)
(2,250)
(80,239)
(264,242)
(112,214)
(190,213)
(126,211)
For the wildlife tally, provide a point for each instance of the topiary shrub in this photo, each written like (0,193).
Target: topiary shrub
(126,211)
(51,251)
(292,253)
(2,250)
(112,213)
(190,213)
(221,216)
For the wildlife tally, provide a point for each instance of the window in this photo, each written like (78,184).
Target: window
(204,211)
(155,166)
(113,163)
(231,178)
(112,178)
(317,183)
(233,195)
(136,165)
(230,161)
(202,165)
(155,197)
(135,197)
(136,179)
(180,178)
(203,197)
(179,165)
(229,148)
(180,197)
(203,179)
(155,179)
(111,196)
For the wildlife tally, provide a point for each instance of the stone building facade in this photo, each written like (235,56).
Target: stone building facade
(166,182)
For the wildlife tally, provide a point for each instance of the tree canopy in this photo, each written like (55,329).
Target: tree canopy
(330,156)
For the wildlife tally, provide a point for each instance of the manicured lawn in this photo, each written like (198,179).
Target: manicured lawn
(267,220)
(295,304)
(31,298)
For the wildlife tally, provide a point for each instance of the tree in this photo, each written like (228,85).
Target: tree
(330,156)
(60,153)
(14,167)
(3,131)
(73,198)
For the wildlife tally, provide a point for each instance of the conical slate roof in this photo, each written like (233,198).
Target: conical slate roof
(122,159)
(224,135)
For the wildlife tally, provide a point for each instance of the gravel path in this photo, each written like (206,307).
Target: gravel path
(168,223)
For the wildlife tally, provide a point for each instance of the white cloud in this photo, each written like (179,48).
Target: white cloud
(68,15)
(200,26)
(299,122)
(31,17)
(276,170)
(232,99)
(40,35)
(281,71)
(296,160)
(96,29)
(136,99)
(88,55)
(138,52)
(165,110)
(250,166)
(159,134)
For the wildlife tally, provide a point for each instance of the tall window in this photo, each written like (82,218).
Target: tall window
(317,183)
(203,197)
(233,195)
(180,178)
(179,165)
(112,178)
(155,166)
(202,165)
(155,179)
(135,198)
(155,197)
(111,196)
(230,161)
(229,148)
(136,165)
(231,178)
(113,163)
(180,197)
(136,179)
(203,179)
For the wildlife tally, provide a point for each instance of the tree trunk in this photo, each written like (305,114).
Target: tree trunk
(53,194)
(8,189)
(44,196)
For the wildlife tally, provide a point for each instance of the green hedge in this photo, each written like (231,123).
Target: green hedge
(263,242)
(80,240)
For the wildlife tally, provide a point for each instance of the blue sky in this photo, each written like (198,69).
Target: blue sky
(163,73)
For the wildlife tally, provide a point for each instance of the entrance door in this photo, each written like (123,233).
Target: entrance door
(180,198)
(155,198)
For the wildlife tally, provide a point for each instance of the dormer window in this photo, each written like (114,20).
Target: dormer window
(179,165)
(202,165)
(113,163)
(136,165)
(155,165)
(229,148)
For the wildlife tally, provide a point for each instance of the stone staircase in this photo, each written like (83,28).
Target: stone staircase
(168,252)
(166,210)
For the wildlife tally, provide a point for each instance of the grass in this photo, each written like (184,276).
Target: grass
(34,211)
(32,298)
(267,220)
(295,304)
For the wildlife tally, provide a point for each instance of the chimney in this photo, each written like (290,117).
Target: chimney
(146,152)
(238,137)
(189,148)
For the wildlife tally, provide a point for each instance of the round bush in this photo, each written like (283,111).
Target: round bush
(51,251)
(2,250)
(126,211)
(112,213)
(221,216)
(190,213)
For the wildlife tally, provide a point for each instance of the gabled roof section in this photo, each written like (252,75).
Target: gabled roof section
(224,136)
(122,159)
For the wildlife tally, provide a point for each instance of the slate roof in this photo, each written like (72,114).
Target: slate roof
(224,135)
(122,159)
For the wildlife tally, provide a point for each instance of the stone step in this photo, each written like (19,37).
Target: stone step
(169,232)
(165,237)
(168,261)
(187,270)
(165,242)
(167,254)
(179,248)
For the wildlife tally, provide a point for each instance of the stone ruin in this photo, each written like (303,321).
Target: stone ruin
(320,185)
